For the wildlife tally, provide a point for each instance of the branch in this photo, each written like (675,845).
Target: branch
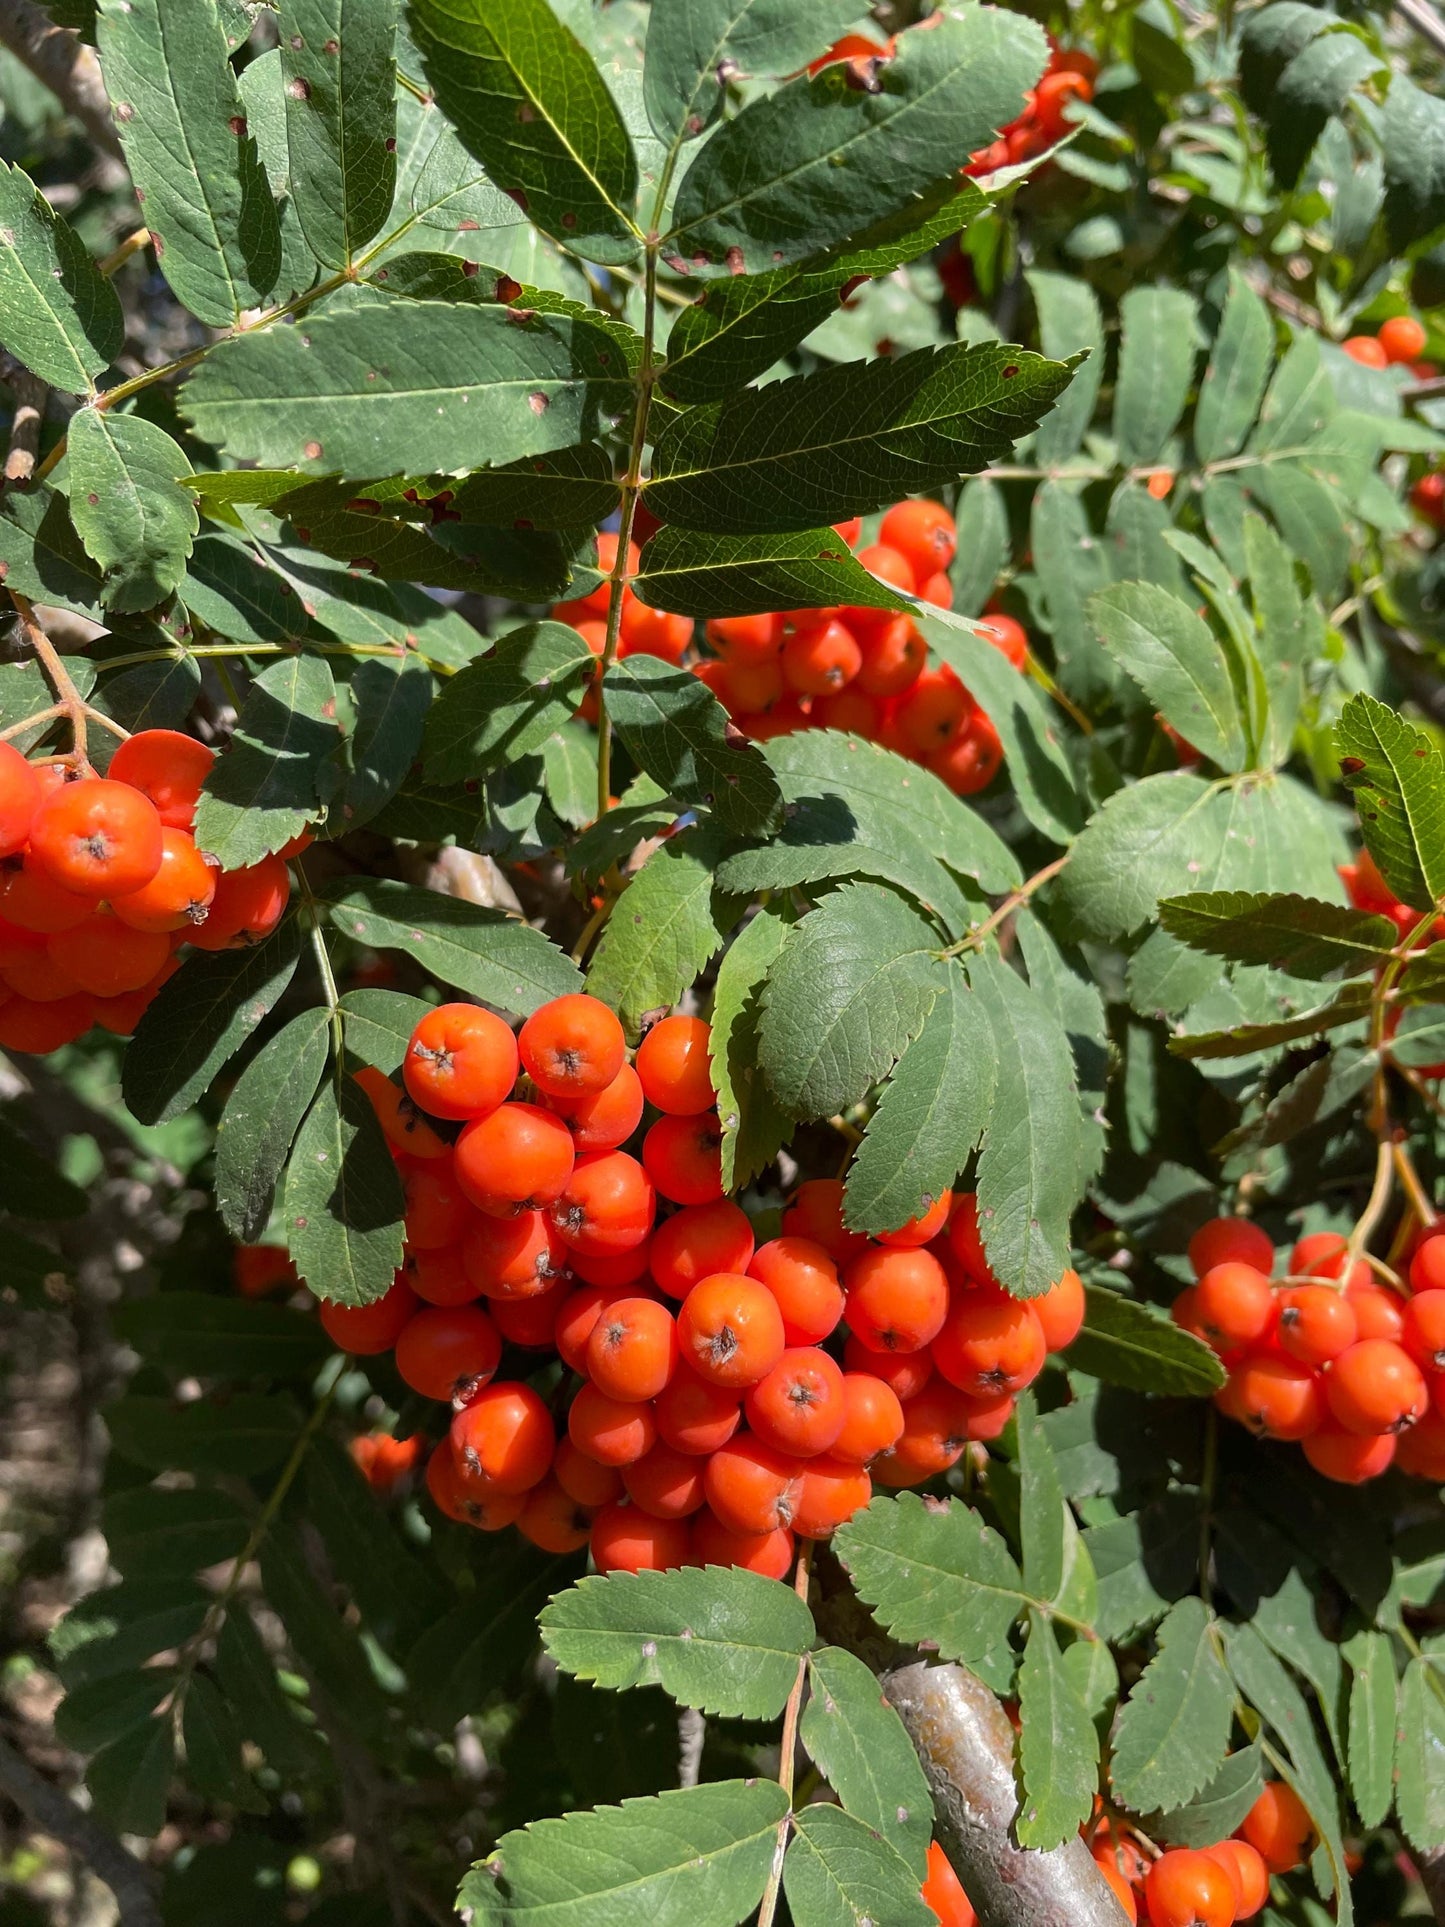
(51,1812)
(1424,19)
(691,1736)
(30,394)
(66,66)
(966,1745)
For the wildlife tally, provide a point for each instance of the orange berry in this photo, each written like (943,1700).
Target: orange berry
(892,657)
(610,1267)
(606,1206)
(938,590)
(553,1520)
(804,1281)
(746,638)
(798,1406)
(437,1213)
(1376,1387)
(1323,1254)
(696,1242)
(448,1352)
(965,1240)
(461,1062)
(97,837)
(694,1415)
(896,1300)
(667,1483)
(851,46)
(1230,1241)
(34,1029)
(904,1373)
(683,1158)
(521,1257)
(936,1427)
(922,1229)
(653,632)
(576,1315)
(1350,1458)
(1420,1452)
(751,1486)
(1402,338)
(990,1344)
(1235,1306)
(880,559)
(1010,638)
(606,1118)
(515,1159)
(1316,1323)
(1424,1334)
(504,1434)
(817,661)
(471,1502)
(714,1544)
(247,906)
(1276,1397)
(583,1479)
(107,957)
(816,1213)
(1185,1888)
(1118,1885)
(1366,350)
(440,1278)
(932,711)
(178,896)
(632,1349)
(368,1330)
(1248,1874)
(612,1431)
(1379,1312)
(971,760)
(1427,1266)
(20,798)
(572,1047)
(872,1419)
(1060,1312)
(850,712)
(832,1491)
(402,1123)
(943,1891)
(730,1330)
(167,767)
(1278,1828)
(260,1269)
(922,532)
(528,1321)
(672,1062)
(1051,98)
(30,900)
(627,1539)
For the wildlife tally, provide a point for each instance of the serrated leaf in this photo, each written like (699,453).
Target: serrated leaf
(473,1650)
(42,555)
(197,1334)
(839,1873)
(340,92)
(1419,1754)
(1030,1171)
(363,390)
(678,732)
(688,42)
(118,1628)
(1397,778)
(1179,663)
(1042,1535)
(1218,1810)
(130,1779)
(1372,1721)
(1414,170)
(128,506)
(570,488)
(102,1711)
(1071,562)
(174,1532)
(342,1203)
(58,313)
(1290,633)
(200,1019)
(726,1642)
(1143,844)
(262,1116)
(930,1116)
(214,1766)
(1156,365)
(854,982)
(665,928)
(207,201)
(1058,1745)
(329,1646)
(934,1573)
(1299,401)
(1244,1040)
(523,567)
(754,1128)
(1173,1731)
(481,951)
(861,1747)
(263,100)
(506,703)
(983,541)
(391,697)
(1037,765)
(698,1857)
(378,1025)
(529,102)
(242,1433)
(1315,84)
(727,575)
(1125,1343)
(398,1592)
(246,1673)
(813,449)
(1297,934)
(569,763)
(1069,321)
(236,589)
(1234,381)
(264,790)
(768,187)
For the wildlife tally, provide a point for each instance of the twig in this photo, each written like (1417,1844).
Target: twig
(1414,1190)
(1375,1204)
(789,1751)
(30,394)
(1424,19)
(68,700)
(120,254)
(51,1812)
(691,1734)
(66,66)
(1015,900)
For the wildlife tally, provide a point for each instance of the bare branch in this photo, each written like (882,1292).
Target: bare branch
(65,64)
(691,1733)
(30,393)
(50,1812)
(966,1745)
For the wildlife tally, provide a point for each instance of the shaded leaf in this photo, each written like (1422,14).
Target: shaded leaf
(754,1128)
(265,789)
(1216,1812)
(506,703)
(241,1433)
(1125,1343)
(1234,381)
(1058,1744)
(839,1873)
(340,93)
(690,40)
(1372,1722)
(726,575)
(262,1115)
(1156,365)
(1178,662)
(679,733)
(855,1738)
(1300,935)
(1173,1732)
(58,313)
(128,505)
(1397,778)
(343,1199)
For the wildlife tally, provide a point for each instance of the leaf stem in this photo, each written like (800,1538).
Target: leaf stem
(327,974)
(1015,900)
(788,1754)
(132,244)
(69,702)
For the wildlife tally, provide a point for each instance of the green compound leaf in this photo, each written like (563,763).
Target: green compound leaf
(694,1858)
(1143,844)
(481,951)
(262,1116)
(58,313)
(378,1025)
(727,1643)
(506,703)
(839,1873)
(340,92)
(1127,1344)
(1234,382)
(754,1128)
(694,46)
(343,1200)
(1372,1723)
(129,506)
(822,160)
(861,1747)
(1301,935)
(200,1019)
(365,390)
(1156,365)
(1058,1744)
(931,1115)
(852,987)
(1420,1747)
(679,733)
(529,102)
(934,1573)
(1069,322)
(738,575)
(1397,777)
(172,1533)
(665,929)
(1173,1731)
(816,448)
(1179,663)
(265,789)
(177,110)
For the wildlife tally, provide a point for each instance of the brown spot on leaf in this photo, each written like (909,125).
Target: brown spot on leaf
(237,125)
(538,402)
(298,88)
(312,451)
(1351,765)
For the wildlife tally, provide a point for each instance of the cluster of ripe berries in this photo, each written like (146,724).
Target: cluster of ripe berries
(856,669)
(1186,1887)
(1400,343)
(101,883)
(720,1409)
(1327,1355)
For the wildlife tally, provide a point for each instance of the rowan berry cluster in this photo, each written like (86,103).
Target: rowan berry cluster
(847,668)
(1327,1355)
(1185,1887)
(717,1407)
(101,884)
(1400,342)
